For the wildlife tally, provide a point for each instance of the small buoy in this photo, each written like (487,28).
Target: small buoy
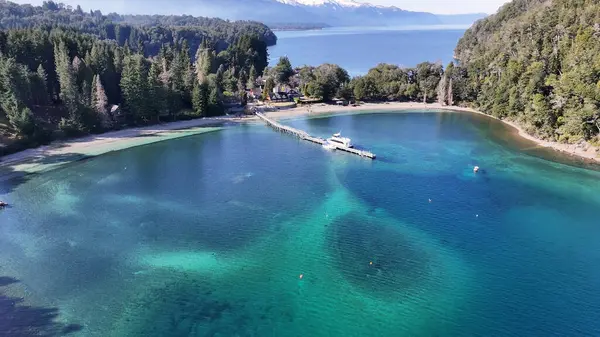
(301,276)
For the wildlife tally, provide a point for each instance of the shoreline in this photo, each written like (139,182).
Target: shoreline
(56,154)
(586,151)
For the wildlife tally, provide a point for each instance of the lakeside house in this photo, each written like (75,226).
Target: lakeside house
(255,93)
(339,101)
(278,97)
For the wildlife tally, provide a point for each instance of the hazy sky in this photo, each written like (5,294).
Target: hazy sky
(432,6)
(444,6)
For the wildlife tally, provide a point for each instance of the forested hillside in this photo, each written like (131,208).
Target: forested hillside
(134,30)
(538,62)
(61,79)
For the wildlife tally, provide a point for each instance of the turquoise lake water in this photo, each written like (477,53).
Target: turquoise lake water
(357,49)
(209,235)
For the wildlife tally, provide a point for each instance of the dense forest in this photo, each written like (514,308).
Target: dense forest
(135,31)
(537,62)
(60,79)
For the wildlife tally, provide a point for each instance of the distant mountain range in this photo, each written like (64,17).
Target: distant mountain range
(322,12)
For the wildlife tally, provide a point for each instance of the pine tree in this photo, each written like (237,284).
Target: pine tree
(449,74)
(283,70)
(134,85)
(42,75)
(252,78)
(269,85)
(204,62)
(157,91)
(19,116)
(99,103)
(68,89)
(443,90)
(220,78)
(450,95)
(15,96)
(42,86)
(188,73)
(215,104)
(242,81)
(200,98)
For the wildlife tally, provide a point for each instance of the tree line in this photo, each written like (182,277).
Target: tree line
(427,82)
(73,82)
(143,33)
(536,62)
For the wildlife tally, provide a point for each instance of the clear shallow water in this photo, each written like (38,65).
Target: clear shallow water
(357,49)
(208,235)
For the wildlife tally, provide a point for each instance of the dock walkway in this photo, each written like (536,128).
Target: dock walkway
(305,136)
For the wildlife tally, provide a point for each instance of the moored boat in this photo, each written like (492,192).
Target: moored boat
(329,145)
(338,139)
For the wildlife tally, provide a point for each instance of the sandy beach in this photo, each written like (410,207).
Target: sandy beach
(59,153)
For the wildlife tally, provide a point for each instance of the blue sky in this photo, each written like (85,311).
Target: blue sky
(432,6)
(444,6)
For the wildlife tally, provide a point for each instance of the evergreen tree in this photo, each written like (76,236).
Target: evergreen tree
(268,89)
(41,86)
(219,79)
(450,93)
(68,87)
(19,116)
(157,91)
(283,70)
(134,86)
(99,102)
(215,103)
(242,81)
(200,98)
(252,78)
(443,90)
(188,72)
(204,63)
(15,96)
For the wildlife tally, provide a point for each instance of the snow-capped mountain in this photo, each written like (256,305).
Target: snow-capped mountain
(340,3)
(327,12)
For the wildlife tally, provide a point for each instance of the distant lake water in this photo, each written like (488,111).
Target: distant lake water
(358,49)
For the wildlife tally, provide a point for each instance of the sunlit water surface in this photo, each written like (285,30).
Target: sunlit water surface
(248,232)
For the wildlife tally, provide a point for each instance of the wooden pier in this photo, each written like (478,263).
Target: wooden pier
(305,136)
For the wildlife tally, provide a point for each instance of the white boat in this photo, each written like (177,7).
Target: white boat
(329,145)
(338,139)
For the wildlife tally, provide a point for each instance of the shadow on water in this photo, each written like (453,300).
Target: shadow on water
(20,320)
(375,256)
(192,307)
(11,178)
